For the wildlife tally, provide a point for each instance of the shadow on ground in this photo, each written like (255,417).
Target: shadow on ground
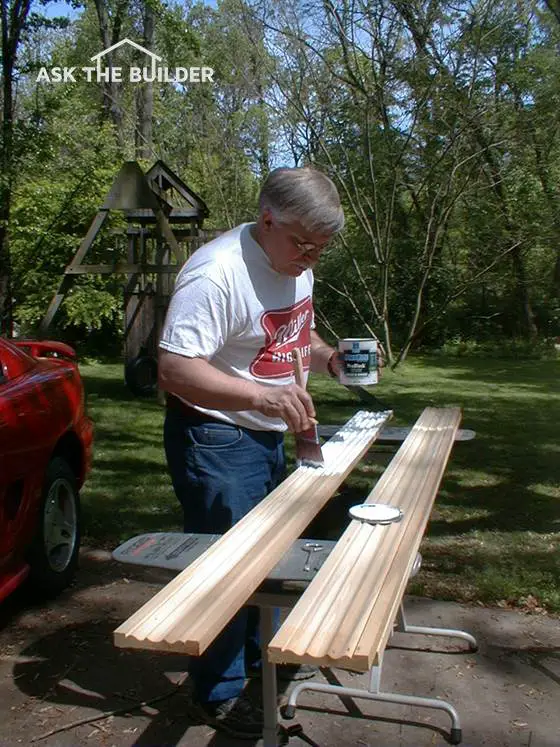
(77,670)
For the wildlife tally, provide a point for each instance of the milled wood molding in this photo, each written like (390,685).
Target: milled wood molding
(346,615)
(188,613)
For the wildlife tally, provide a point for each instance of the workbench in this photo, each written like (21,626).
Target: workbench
(346,598)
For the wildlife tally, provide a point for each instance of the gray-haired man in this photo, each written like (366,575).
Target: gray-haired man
(241,304)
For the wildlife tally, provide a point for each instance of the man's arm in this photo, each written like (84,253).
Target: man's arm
(197,381)
(321,354)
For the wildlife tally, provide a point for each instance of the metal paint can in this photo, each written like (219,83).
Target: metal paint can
(358,357)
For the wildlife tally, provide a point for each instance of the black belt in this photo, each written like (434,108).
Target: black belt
(177,405)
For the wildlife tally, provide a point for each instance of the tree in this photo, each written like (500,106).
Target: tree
(145,93)
(205,133)
(13,16)
(111,17)
(439,122)
(410,107)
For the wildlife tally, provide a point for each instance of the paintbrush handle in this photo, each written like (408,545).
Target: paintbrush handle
(298,367)
(298,373)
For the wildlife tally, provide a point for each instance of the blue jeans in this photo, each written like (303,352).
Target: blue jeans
(219,473)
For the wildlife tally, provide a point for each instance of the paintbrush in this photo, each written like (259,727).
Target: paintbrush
(308,446)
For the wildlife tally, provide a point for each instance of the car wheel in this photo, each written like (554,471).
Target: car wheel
(54,553)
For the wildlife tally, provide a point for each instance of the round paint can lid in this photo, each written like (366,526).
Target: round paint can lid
(376,513)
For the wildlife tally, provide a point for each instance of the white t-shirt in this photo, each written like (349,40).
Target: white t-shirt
(232,308)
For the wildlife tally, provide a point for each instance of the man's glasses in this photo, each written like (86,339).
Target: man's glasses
(309,249)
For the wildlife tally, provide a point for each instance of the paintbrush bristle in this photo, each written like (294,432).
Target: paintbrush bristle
(308,448)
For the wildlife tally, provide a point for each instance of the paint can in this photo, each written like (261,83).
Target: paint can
(358,357)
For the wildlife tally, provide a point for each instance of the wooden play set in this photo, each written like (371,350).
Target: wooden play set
(148,224)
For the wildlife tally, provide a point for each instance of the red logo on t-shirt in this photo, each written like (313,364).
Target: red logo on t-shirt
(285,329)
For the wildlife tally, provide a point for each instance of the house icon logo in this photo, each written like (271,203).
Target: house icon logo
(105,72)
(97,58)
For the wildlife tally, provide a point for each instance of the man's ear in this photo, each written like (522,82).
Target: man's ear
(267,219)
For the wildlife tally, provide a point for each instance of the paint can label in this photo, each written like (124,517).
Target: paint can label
(359,361)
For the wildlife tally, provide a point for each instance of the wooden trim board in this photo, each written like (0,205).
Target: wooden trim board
(188,613)
(345,616)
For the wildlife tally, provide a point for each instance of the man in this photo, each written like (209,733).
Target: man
(241,304)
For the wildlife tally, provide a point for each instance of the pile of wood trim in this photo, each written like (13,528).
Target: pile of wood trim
(346,615)
(188,613)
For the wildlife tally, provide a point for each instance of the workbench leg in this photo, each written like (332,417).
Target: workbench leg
(375,676)
(441,705)
(403,627)
(375,694)
(269,691)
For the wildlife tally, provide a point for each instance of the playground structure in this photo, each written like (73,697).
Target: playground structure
(164,225)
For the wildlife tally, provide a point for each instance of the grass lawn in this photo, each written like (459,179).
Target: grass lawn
(494,536)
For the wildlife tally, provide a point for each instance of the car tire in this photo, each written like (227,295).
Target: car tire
(53,556)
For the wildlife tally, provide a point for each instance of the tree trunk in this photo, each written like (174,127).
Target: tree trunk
(13,16)
(522,296)
(5,267)
(552,196)
(263,137)
(529,327)
(554,8)
(111,91)
(145,96)
(6,195)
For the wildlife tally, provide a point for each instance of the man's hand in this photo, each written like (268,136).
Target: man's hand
(381,362)
(335,364)
(291,403)
(325,359)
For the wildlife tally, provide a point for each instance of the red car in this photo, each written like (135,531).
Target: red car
(45,455)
